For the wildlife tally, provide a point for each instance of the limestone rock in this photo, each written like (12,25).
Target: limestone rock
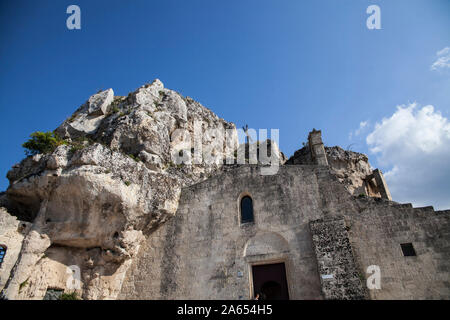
(12,232)
(99,103)
(351,168)
(92,205)
(88,117)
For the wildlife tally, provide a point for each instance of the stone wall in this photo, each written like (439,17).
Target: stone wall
(376,234)
(339,275)
(351,168)
(205,253)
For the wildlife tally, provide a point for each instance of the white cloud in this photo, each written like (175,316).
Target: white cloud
(413,146)
(443,60)
(444,51)
(362,125)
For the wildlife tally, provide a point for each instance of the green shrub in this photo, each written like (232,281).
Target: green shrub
(69,296)
(80,143)
(42,142)
(76,147)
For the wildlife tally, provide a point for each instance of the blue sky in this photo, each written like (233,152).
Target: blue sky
(293,65)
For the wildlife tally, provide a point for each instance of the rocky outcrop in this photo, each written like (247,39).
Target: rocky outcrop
(93,199)
(351,168)
(301,156)
(12,232)
(89,116)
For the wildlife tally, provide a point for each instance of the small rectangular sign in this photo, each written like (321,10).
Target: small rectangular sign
(327,276)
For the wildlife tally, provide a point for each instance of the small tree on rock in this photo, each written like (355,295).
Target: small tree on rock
(42,142)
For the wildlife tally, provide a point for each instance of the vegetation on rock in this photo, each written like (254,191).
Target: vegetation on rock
(69,296)
(42,142)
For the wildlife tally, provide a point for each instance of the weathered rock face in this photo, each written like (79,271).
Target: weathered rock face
(147,124)
(301,156)
(351,168)
(12,231)
(89,116)
(335,257)
(92,203)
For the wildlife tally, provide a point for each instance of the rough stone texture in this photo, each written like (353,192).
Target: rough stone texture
(381,184)
(138,225)
(340,277)
(98,199)
(89,116)
(351,168)
(200,253)
(376,233)
(92,206)
(205,240)
(12,232)
(318,154)
(99,103)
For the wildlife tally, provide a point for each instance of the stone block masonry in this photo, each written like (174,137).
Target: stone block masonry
(339,276)
(317,148)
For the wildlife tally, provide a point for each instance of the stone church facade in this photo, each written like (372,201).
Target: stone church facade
(304,220)
(108,215)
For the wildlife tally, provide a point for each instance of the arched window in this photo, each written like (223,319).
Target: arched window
(246,209)
(2,254)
